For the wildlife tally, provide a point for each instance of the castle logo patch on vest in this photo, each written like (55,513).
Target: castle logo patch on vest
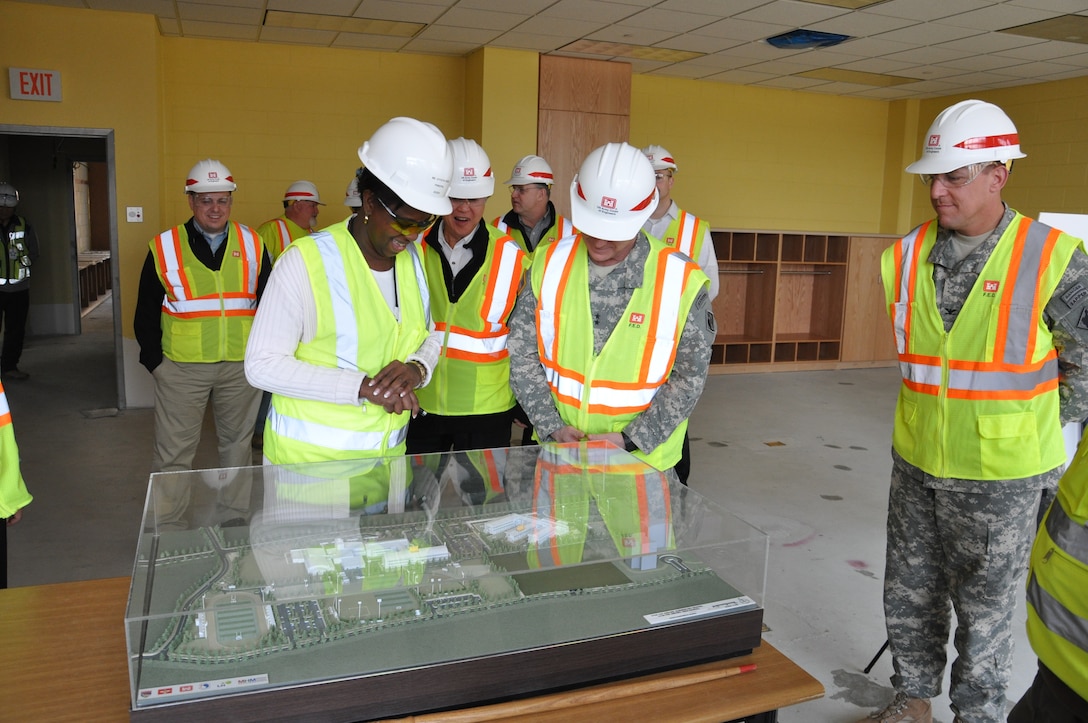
(990,287)
(636,319)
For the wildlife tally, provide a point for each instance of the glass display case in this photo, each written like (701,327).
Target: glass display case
(357,590)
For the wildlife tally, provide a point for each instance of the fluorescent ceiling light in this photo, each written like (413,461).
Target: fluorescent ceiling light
(366,26)
(841,75)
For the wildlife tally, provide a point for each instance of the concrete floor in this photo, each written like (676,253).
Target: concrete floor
(804,456)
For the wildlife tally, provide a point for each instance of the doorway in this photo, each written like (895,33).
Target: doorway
(67,188)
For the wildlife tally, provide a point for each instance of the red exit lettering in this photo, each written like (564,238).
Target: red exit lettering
(36,83)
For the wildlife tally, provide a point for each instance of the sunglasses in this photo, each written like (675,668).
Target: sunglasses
(407,226)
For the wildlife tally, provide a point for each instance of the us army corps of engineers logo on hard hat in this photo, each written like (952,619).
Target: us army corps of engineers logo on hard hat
(607,206)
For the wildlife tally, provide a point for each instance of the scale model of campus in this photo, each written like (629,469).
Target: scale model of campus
(277,604)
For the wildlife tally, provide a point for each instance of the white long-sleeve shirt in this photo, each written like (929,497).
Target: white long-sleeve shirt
(286,317)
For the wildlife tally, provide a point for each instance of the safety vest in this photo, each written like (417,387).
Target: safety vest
(13,493)
(207,315)
(278,233)
(560,229)
(686,234)
(15,265)
(1057,588)
(599,394)
(355,330)
(473,372)
(979,402)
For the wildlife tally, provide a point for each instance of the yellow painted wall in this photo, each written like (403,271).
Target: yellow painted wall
(764,158)
(109,72)
(275,114)
(507,115)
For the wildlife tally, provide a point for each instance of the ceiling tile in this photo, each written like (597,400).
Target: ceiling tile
(925,10)
(630,35)
(461,36)
(483,19)
(791,12)
(162,8)
(998,17)
(674,21)
(232,31)
(593,11)
(406,12)
(733,29)
(342,8)
(220,14)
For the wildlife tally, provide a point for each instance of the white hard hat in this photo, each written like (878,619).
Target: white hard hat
(613,193)
(412,158)
(659,158)
(351,196)
(472,176)
(9,197)
(971,131)
(302,191)
(531,169)
(209,176)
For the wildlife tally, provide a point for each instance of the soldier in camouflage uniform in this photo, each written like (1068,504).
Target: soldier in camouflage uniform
(612,194)
(976,437)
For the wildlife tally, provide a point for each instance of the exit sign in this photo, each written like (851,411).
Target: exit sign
(31,84)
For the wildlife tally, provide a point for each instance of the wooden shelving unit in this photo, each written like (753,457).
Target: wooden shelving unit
(782,302)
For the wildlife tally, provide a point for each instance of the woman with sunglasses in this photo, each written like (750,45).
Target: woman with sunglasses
(343,336)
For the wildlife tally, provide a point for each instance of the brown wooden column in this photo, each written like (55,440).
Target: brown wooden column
(582,104)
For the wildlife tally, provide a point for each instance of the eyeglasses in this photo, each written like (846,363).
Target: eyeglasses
(957,178)
(527,187)
(407,226)
(662,176)
(208,201)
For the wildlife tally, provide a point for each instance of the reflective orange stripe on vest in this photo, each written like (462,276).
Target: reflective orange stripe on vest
(180,301)
(610,396)
(488,344)
(1012,372)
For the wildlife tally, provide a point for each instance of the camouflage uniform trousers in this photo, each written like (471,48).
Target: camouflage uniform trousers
(967,549)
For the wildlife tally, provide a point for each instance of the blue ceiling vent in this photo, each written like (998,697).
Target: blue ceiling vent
(802,39)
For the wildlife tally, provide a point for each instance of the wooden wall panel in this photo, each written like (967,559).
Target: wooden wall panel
(565,138)
(588,86)
(867,335)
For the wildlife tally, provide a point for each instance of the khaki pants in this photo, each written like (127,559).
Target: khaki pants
(182,392)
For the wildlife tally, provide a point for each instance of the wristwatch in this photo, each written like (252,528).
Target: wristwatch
(628,445)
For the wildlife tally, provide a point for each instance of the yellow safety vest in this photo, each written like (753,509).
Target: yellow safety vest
(15,265)
(473,372)
(599,394)
(1057,588)
(278,234)
(13,493)
(207,315)
(979,402)
(560,229)
(355,330)
(686,234)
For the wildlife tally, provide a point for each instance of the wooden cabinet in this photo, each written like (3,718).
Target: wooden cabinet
(790,301)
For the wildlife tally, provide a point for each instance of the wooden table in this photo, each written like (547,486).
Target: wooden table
(63,653)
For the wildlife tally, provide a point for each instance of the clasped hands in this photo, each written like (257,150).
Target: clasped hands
(394,388)
(573,434)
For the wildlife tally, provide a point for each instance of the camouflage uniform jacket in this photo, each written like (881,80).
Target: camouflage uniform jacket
(1066,315)
(608,297)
